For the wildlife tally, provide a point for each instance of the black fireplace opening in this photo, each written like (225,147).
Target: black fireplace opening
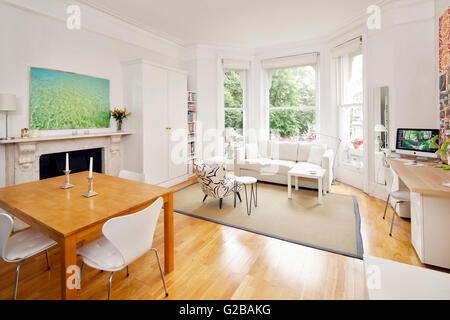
(53,165)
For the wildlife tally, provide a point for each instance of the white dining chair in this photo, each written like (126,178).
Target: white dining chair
(130,175)
(21,246)
(18,224)
(398,196)
(125,239)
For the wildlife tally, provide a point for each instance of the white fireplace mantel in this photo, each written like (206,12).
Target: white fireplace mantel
(22,155)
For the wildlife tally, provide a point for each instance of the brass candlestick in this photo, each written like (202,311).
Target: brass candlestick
(91,191)
(67,185)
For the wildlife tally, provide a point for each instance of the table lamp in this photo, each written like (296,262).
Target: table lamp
(8,103)
(229,133)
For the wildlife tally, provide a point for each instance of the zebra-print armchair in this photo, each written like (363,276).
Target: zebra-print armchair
(215,182)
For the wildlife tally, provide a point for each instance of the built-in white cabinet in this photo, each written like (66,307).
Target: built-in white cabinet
(156,95)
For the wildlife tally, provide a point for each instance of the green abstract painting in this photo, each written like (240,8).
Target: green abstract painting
(63,100)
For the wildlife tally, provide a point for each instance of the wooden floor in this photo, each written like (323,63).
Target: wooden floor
(218,262)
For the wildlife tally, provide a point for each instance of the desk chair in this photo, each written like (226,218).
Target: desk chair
(398,196)
(125,239)
(21,246)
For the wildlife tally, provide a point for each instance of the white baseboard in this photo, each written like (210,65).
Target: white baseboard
(173,182)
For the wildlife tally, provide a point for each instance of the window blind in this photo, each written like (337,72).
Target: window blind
(291,61)
(234,64)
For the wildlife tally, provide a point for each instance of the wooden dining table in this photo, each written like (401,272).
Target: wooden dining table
(67,217)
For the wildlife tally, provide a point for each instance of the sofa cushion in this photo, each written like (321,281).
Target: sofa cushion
(264,149)
(278,167)
(251,151)
(307,165)
(305,147)
(303,151)
(255,164)
(284,151)
(315,155)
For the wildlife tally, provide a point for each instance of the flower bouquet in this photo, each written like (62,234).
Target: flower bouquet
(357,143)
(119,115)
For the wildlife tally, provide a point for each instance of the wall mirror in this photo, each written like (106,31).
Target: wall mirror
(381,130)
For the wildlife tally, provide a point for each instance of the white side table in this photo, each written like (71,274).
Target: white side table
(253,192)
(301,172)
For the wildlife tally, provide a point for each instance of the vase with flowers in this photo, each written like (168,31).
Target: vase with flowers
(357,143)
(119,115)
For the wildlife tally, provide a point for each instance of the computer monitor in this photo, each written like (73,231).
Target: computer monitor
(416,142)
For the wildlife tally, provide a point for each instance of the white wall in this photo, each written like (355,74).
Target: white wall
(41,39)
(403,56)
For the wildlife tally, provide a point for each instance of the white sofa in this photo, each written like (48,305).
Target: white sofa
(270,161)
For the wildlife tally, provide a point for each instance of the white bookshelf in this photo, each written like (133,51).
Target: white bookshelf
(192,127)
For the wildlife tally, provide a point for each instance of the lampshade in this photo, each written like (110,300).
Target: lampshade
(229,132)
(8,102)
(380,128)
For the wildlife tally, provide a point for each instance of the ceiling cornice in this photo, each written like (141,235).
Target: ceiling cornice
(155,32)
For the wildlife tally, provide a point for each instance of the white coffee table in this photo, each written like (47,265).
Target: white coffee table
(299,172)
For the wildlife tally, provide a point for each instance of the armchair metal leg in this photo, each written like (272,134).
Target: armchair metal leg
(16,281)
(161,271)
(206,196)
(48,263)
(220,203)
(109,287)
(393,218)
(387,203)
(239,196)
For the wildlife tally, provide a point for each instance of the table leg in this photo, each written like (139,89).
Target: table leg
(235,190)
(69,274)
(320,190)
(168,234)
(289,187)
(256,195)
(296,183)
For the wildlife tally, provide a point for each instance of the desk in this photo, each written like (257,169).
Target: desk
(430,210)
(68,218)
(391,280)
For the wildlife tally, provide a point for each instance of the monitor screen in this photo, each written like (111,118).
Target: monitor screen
(416,139)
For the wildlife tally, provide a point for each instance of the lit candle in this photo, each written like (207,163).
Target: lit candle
(67,161)
(90,167)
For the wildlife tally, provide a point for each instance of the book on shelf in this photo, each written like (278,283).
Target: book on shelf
(191,117)
(192,96)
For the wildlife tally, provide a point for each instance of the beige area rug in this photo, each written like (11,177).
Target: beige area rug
(333,226)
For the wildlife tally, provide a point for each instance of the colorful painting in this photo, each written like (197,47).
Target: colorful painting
(443,42)
(444,60)
(64,100)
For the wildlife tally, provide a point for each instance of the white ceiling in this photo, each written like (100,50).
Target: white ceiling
(244,23)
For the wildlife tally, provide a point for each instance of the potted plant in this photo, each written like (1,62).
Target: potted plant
(443,150)
(357,143)
(119,115)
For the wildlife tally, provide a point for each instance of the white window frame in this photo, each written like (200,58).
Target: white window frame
(340,86)
(244,78)
(316,108)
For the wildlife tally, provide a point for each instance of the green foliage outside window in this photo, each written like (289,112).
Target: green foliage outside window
(233,98)
(292,87)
